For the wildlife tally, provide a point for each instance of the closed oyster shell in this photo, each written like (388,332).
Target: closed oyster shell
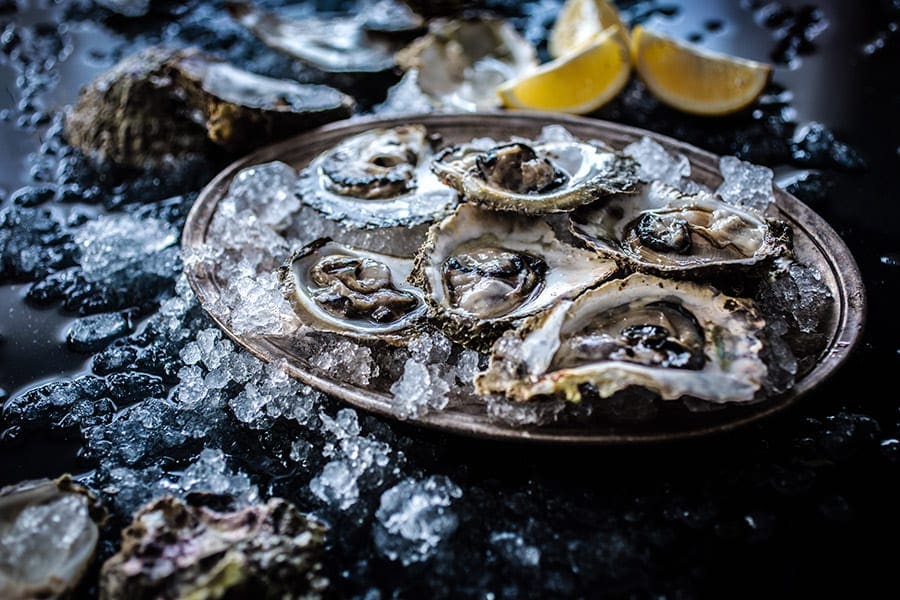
(176,550)
(535,178)
(484,271)
(663,230)
(674,338)
(48,535)
(379,178)
(354,292)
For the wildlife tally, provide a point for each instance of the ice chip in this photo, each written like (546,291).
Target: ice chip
(655,163)
(745,184)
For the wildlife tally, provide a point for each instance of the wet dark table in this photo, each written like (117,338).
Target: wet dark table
(804,502)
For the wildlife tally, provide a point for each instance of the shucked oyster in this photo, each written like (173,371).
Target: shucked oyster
(674,338)
(48,534)
(543,177)
(353,292)
(162,104)
(482,271)
(664,230)
(377,178)
(461,62)
(177,550)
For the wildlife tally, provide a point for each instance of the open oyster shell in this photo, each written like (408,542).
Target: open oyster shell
(666,231)
(379,178)
(461,62)
(533,178)
(48,535)
(483,271)
(673,338)
(353,292)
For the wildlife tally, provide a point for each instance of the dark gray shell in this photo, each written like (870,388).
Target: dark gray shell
(592,172)
(525,363)
(713,235)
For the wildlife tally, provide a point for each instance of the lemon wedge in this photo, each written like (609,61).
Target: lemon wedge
(577,83)
(695,80)
(580,22)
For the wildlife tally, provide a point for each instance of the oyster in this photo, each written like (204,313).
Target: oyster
(378,178)
(48,534)
(353,292)
(664,230)
(177,550)
(532,178)
(161,104)
(332,45)
(461,62)
(673,338)
(482,271)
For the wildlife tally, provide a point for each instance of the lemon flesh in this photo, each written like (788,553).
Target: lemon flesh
(578,83)
(580,22)
(695,80)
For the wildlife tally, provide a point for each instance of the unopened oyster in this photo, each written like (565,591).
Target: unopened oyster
(351,291)
(176,550)
(461,62)
(532,178)
(378,178)
(333,45)
(482,271)
(48,534)
(673,338)
(161,104)
(664,230)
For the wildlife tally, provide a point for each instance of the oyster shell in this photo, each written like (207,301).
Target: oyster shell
(176,550)
(673,338)
(378,178)
(482,271)
(48,535)
(533,178)
(332,45)
(161,105)
(461,62)
(350,291)
(664,230)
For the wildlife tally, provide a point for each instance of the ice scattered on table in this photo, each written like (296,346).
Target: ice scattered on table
(513,549)
(414,518)
(658,164)
(210,474)
(93,332)
(118,243)
(745,184)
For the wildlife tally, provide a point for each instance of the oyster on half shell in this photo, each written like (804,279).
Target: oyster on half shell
(482,271)
(535,177)
(351,291)
(673,338)
(663,230)
(378,178)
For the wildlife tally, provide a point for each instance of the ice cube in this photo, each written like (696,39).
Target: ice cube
(745,184)
(656,163)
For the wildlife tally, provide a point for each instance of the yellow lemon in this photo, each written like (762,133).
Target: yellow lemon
(577,83)
(693,79)
(579,23)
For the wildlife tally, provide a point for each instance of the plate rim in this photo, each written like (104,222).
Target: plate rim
(851,299)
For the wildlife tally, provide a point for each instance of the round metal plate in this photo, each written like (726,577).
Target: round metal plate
(816,244)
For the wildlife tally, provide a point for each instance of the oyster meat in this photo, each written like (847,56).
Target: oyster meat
(161,105)
(177,550)
(664,230)
(533,178)
(351,291)
(332,45)
(673,338)
(378,178)
(482,271)
(461,62)
(48,535)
